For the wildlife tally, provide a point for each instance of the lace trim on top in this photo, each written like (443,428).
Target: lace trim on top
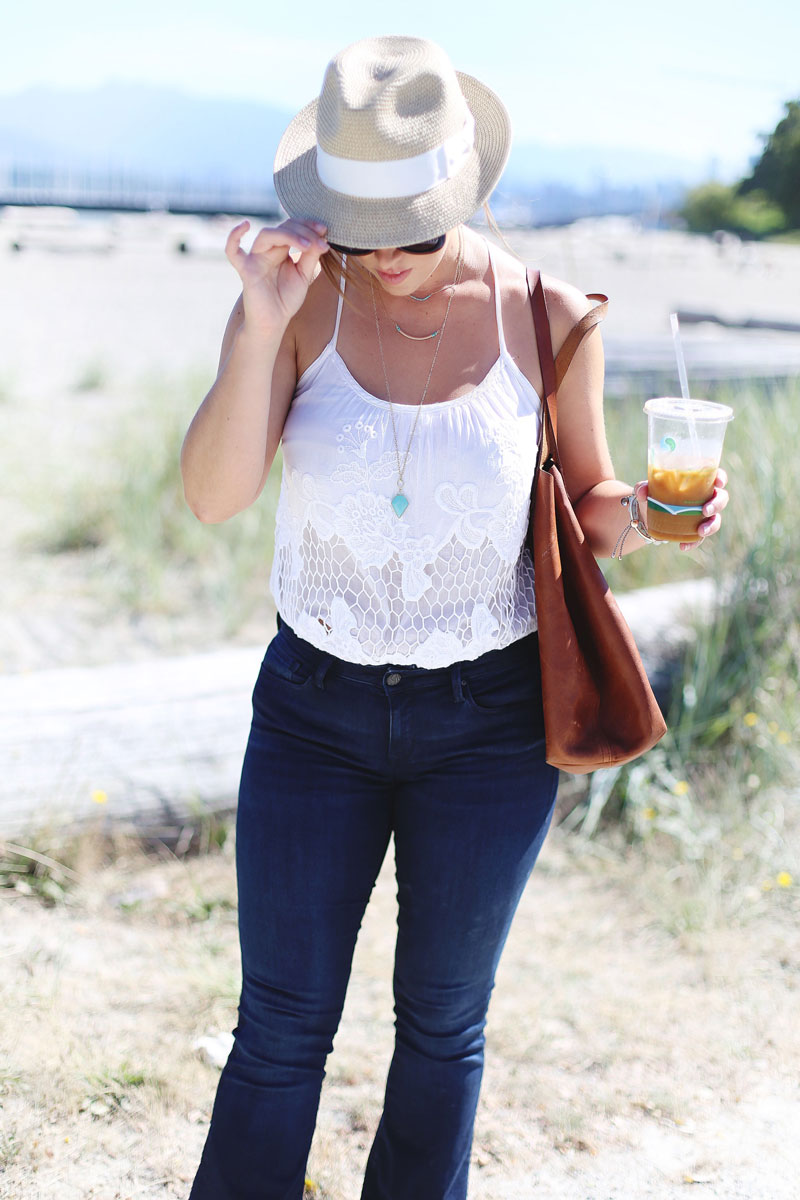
(448,580)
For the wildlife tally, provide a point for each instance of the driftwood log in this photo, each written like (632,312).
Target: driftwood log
(158,745)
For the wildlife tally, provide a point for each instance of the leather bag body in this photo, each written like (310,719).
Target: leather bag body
(599,708)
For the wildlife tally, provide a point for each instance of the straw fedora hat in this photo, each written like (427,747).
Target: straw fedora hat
(398,148)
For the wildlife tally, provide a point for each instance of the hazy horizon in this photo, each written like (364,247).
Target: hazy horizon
(688,82)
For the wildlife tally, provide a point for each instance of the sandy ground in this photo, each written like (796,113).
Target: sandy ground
(142,307)
(626,1057)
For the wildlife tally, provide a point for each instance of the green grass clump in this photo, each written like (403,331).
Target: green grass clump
(48,864)
(144,549)
(112,1090)
(93,376)
(29,871)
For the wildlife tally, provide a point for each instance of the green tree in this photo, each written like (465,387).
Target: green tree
(715,206)
(777,172)
(708,207)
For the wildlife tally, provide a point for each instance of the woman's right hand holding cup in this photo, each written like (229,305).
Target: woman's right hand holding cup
(277,270)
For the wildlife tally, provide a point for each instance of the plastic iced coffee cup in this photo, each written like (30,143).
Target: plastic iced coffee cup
(684,446)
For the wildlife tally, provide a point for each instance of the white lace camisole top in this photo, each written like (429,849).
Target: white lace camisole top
(449,579)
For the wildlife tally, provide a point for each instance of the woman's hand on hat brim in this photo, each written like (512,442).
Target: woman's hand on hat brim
(278,269)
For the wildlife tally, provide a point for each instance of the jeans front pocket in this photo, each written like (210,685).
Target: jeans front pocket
(515,686)
(282,662)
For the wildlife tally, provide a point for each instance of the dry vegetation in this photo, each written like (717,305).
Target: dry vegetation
(632,1048)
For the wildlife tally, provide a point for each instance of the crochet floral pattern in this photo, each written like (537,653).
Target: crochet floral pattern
(445,582)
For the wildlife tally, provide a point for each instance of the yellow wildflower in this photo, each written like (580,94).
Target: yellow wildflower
(773,727)
(680,788)
(784,738)
(766,886)
(649,814)
(99,796)
(784,879)
(750,719)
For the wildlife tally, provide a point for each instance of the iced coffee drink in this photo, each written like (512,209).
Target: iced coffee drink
(684,448)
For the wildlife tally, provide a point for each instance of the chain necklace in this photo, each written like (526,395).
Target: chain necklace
(427,337)
(400,500)
(420,299)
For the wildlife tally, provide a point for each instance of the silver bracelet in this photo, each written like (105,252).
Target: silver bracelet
(631,502)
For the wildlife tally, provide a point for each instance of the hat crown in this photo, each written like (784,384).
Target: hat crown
(389,98)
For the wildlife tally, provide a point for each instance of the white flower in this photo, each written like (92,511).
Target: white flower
(369,527)
(415,554)
(357,470)
(507,525)
(461,501)
(485,627)
(439,647)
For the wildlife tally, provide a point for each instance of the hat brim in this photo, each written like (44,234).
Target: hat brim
(353,221)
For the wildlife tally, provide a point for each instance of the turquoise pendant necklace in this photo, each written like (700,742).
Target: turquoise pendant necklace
(425,337)
(400,501)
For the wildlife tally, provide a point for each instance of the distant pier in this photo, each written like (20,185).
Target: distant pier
(92,191)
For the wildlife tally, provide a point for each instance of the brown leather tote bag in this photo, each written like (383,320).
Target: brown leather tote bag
(599,708)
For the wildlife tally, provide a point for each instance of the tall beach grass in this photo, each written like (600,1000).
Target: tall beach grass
(144,551)
(720,793)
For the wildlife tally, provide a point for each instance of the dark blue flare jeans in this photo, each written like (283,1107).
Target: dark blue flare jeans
(340,756)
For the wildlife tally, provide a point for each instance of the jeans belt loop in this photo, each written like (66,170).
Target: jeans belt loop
(322,670)
(455,680)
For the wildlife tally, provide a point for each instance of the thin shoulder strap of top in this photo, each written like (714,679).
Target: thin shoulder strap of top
(501,337)
(342,278)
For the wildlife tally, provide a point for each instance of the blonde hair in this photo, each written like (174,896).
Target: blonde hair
(343,274)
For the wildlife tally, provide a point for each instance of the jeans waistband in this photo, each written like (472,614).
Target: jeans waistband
(523,651)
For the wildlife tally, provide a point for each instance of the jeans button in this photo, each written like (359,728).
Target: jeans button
(392,679)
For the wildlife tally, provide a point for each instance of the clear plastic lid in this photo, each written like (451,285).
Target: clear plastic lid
(691,411)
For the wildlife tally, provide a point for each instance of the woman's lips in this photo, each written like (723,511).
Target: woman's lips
(392,277)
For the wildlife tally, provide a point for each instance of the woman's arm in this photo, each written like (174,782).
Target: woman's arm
(234,436)
(588,470)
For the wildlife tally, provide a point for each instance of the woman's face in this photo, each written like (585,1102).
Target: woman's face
(401,274)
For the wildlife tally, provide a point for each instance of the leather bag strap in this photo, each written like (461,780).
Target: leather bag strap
(555,368)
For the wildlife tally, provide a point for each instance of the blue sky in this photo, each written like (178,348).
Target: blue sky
(688,78)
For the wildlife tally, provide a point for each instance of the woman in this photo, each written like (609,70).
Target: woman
(400,695)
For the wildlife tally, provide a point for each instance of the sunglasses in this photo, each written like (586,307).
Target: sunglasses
(418,248)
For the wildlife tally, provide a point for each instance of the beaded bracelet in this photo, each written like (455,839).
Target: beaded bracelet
(631,502)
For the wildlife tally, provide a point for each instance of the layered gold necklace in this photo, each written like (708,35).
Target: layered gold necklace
(400,501)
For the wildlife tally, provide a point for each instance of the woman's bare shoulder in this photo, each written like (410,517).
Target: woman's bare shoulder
(565,298)
(566,304)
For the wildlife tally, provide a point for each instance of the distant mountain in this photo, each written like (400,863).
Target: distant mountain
(156,131)
(589,168)
(145,129)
